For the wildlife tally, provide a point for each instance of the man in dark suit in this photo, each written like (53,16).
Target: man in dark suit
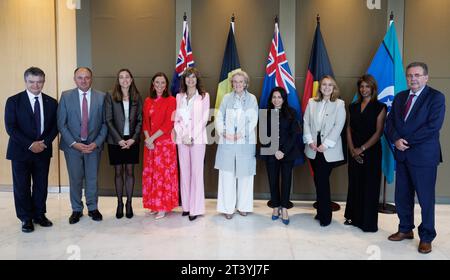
(30,121)
(413,125)
(82,125)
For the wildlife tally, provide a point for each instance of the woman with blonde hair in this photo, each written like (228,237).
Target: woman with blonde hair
(323,122)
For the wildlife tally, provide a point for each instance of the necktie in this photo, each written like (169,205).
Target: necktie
(84,118)
(408,105)
(37,117)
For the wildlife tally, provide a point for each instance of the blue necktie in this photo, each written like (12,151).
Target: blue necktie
(37,117)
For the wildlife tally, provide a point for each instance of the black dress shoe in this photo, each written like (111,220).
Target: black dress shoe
(75,217)
(95,215)
(27,226)
(348,222)
(119,211)
(129,209)
(191,218)
(43,221)
(185,213)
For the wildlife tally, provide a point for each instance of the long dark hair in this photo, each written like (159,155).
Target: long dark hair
(286,111)
(372,83)
(117,93)
(189,71)
(166,93)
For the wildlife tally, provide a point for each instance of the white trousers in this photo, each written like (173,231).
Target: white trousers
(231,196)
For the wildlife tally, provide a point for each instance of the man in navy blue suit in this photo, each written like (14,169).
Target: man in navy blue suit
(30,121)
(413,125)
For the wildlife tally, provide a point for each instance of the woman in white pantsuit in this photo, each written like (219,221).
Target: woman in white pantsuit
(236,123)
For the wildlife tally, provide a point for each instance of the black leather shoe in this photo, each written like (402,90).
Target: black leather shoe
(43,221)
(129,209)
(191,218)
(75,217)
(119,211)
(185,213)
(95,215)
(27,226)
(348,222)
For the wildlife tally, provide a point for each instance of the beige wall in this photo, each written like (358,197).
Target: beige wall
(427,39)
(27,29)
(139,34)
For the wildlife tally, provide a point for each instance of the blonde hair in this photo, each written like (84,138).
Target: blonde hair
(334,94)
(242,74)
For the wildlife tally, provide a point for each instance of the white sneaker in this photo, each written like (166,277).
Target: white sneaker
(160,215)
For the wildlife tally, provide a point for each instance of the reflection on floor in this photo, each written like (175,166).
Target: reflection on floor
(210,237)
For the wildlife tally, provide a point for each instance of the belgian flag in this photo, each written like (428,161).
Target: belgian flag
(230,65)
(319,66)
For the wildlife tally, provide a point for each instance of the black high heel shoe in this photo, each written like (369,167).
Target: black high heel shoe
(129,210)
(119,211)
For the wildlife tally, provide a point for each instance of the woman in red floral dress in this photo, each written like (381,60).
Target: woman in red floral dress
(160,171)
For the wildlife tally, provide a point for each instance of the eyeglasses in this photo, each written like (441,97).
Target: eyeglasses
(410,76)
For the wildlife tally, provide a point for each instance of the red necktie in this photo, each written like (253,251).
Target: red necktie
(408,105)
(84,118)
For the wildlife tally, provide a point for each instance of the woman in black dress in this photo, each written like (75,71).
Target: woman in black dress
(123,114)
(365,127)
(280,156)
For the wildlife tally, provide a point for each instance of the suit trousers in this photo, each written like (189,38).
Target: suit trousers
(30,200)
(421,180)
(234,192)
(191,159)
(279,196)
(83,167)
(322,171)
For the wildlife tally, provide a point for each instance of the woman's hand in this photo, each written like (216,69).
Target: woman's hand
(149,143)
(130,143)
(313,146)
(322,148)
(122,144)
(279,155)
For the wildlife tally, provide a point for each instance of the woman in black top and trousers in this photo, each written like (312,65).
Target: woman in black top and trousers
(280,155)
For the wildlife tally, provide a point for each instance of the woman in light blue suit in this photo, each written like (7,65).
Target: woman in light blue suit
(236,123)
(323,122)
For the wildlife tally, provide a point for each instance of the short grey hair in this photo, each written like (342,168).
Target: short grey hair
(243,74)
(418,64)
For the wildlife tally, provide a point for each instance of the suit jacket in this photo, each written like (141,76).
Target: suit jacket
(237,157)
(195,126)
(21,127)
(115,119)
(288,132)
(421,128)
(332,125)
(69,119)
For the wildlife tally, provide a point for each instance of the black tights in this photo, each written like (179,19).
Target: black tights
(129,181)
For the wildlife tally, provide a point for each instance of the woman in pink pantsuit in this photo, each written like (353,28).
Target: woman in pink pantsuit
(190,127)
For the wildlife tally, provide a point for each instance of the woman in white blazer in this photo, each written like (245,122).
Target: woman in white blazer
(323,122)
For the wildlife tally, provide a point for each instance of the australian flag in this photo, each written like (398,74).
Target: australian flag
(185,59)
(278,74)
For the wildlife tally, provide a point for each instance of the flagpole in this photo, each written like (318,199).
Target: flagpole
(384,207)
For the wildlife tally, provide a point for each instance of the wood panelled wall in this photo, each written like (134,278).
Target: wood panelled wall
(140,35)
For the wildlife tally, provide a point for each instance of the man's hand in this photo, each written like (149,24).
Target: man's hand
(82,148)
(279,155)
(38,147)
(401,144)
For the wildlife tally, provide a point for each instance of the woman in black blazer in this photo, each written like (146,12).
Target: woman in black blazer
(280,155)
(123,114)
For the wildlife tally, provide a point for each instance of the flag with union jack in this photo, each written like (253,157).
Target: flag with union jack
(185,59)
(278,74)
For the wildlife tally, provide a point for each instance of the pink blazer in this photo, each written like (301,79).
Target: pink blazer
(192,125)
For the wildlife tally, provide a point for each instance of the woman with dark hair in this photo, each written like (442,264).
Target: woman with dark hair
(160,171)
(281,152)
(123,114)
(323,122)
(365,127)
(190,127)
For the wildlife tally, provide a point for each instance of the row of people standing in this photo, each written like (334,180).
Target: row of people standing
(121,116)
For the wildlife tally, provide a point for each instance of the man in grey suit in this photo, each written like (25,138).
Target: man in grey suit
(83,130)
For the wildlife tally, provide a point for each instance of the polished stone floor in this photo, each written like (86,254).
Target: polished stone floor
(210,237)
